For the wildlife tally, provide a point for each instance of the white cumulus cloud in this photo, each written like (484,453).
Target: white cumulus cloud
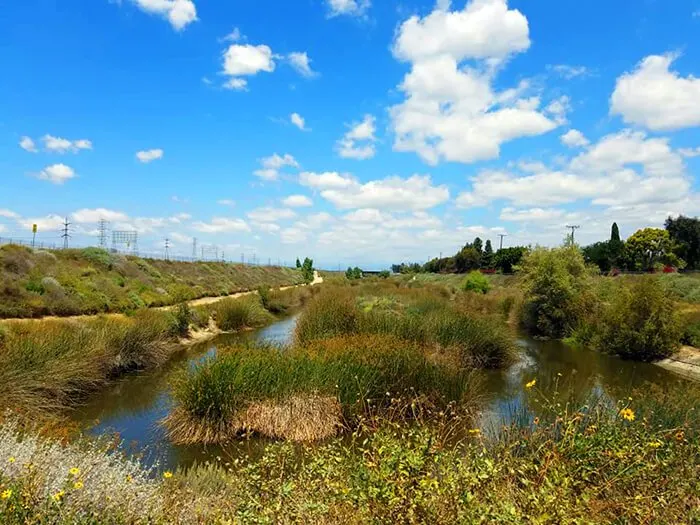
(297,201)
(326,181)
(271,166)
(242,60)
(574,139)
(657,98)
(150,155)
(56,173)
(27,144)
(222,225)
(302,64)
(60,145)
(95,215)
(359,142)
(298,121)
(357,8)
(179,13)
(451,110)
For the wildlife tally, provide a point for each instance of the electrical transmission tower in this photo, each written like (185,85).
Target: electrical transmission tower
(102,228)
(194,248)
(167,249)
(66,233)
(501,235)
(573,229)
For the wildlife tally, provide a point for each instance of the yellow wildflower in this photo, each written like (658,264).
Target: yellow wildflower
(57,497)
(655,444)
(75,471)
(11,460)
(531,383)
(167,474)
(474,431)
(627,413)
(78,485)
(7,494)
(129,479)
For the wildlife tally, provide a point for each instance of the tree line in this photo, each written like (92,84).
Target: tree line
(475,255)
(677,246)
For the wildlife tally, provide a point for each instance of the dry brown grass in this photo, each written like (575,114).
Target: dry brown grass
(300,417)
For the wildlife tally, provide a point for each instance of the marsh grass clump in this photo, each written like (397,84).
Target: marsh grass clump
(236,314)
(52,365)
(421,316)
(337,377)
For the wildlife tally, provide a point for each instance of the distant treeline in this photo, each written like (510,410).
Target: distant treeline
(473,256)
(649,249)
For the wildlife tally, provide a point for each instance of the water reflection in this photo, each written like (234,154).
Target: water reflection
(134,406)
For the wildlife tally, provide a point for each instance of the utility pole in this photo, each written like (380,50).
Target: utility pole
(573,229)
(66,233)
(223,256)
(102,227)
(243,258)
(501,235)
(167,249)
(194,249)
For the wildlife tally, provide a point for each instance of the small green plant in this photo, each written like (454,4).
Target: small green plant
(183,317)
(476,282)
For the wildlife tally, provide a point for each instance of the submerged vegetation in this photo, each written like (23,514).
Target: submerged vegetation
(35,283)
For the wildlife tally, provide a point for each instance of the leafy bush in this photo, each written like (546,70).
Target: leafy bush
(641,323)
(183,317)
(98,256)
(557,291)
(476,282)
(236,314)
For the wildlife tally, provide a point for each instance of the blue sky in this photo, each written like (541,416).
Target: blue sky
(353,131)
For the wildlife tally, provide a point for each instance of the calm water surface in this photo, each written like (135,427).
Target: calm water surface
(133,406)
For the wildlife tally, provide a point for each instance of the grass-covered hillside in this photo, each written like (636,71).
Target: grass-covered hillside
(34,283)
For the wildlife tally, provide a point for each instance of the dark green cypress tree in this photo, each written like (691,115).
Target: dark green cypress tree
(615,236)
(487,257)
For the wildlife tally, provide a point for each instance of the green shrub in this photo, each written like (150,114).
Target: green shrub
(476,282)
(183,318)
(557,291)
(98,256)
(640,323)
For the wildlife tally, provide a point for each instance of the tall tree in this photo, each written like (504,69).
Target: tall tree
(615,235)
(649,246)
(487,257)
(685,234)
(478,245)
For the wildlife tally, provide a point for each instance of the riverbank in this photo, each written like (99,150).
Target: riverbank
(39,283)
(47,366)
(686,362)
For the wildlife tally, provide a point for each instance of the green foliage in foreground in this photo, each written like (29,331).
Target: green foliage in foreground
(476,282)
(632,462)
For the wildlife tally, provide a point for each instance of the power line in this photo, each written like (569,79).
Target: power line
(66,233)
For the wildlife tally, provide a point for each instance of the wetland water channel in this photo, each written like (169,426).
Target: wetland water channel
(134,406)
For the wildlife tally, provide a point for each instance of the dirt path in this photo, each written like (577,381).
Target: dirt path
(195,302)
(686,363)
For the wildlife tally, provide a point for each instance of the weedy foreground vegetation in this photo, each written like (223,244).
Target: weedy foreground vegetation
(35,283)
(636,461)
